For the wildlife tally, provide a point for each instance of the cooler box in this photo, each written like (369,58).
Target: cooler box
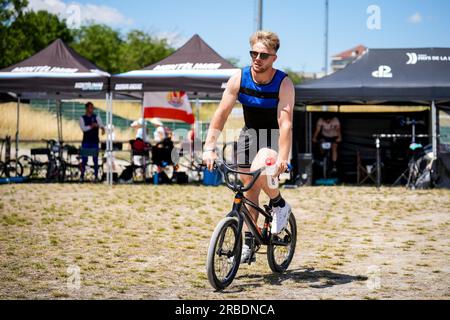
(212,178)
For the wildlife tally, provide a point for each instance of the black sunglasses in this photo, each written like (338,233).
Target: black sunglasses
(262,55)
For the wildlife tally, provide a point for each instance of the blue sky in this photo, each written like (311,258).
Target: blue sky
(227,25)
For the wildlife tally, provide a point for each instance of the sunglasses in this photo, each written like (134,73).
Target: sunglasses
(261,55)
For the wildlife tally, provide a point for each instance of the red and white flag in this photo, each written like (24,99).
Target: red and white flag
(168,105)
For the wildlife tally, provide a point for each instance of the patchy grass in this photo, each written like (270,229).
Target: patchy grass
(150,242)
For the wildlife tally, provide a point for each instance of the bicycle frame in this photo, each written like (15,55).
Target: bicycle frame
(241,212)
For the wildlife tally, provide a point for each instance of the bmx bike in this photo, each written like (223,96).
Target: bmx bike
(225,248)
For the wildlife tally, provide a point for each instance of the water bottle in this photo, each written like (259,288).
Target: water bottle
(271,170)
(156,176)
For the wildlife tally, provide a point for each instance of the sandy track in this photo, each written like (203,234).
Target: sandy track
(146,242)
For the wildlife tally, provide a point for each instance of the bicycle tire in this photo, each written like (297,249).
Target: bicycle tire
(2,168)
(12,166)
(280,267)
(221,282)
(27,164)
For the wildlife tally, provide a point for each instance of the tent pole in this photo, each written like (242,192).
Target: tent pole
(144,136)
(198,129)
(17,127)
(434,129)
(109,143)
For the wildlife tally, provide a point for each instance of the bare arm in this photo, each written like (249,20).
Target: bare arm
(227,103)
(285,118)
(339,139)
(318,128)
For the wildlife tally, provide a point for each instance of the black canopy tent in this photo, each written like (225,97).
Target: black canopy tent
(195,67)
(58,72)
(393,77)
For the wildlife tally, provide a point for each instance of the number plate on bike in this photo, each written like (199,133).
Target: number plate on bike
(326,145)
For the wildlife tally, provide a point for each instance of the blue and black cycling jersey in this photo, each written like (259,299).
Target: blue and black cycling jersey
(260,101)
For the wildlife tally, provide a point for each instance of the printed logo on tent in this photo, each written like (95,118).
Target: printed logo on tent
(44,69)
(383,72)
(414,58)
(89,86)
(128,86)
(176,98)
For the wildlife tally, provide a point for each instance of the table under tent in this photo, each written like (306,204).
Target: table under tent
(389,96)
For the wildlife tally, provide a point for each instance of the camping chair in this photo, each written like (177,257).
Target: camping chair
(366,169)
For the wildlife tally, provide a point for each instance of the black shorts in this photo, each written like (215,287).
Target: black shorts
(328,139)
(251,141)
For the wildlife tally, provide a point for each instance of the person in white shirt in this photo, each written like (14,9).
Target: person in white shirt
(159,134)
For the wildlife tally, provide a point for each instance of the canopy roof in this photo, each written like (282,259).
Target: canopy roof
(385,76)
(194,67)
(55,69)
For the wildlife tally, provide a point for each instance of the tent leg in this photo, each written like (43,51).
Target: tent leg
(109,142)
(434,129)
(17,127)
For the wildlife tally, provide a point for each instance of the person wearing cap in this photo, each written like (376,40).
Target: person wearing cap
(159,134)
(139,125)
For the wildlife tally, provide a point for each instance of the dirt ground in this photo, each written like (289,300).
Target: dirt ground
(150,242)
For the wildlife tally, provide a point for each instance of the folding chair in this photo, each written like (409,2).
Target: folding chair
(366,170)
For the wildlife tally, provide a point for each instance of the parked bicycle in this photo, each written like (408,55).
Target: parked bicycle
(9,168)
(52,169)
(224,253)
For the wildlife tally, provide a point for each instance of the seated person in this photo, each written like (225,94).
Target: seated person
(328,129)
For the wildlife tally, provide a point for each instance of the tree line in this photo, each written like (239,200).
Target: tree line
(24,32)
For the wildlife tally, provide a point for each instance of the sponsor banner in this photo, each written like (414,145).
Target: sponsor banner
(44,69)
(414,58)
(89,86)
(128,86)
(169,105)
(189,66)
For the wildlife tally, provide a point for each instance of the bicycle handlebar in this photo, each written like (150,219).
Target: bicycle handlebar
(227,170)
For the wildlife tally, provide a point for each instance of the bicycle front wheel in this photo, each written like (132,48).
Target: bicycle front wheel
(282,247)
(224,254)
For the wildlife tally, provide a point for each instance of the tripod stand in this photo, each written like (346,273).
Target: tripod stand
(412,172)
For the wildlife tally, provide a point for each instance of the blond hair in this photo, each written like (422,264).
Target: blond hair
(267,38)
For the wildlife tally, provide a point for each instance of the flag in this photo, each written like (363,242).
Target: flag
(168,105)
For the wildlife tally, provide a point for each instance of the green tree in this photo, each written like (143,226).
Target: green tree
(28,33)
(294,76)
(10,9)
(100,44)
(141,50)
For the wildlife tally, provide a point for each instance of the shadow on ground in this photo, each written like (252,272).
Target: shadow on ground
(318,279)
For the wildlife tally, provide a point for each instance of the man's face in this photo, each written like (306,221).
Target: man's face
(90,109)
(259,64)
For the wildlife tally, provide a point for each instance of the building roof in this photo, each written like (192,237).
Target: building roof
(353,52)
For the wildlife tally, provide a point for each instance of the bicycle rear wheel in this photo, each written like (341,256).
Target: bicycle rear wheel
(223,259)
(281,249)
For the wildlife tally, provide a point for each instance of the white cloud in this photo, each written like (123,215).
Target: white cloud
(77,13)
(415,18)
(174,39)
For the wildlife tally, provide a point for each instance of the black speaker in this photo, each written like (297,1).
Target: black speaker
(305,169)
